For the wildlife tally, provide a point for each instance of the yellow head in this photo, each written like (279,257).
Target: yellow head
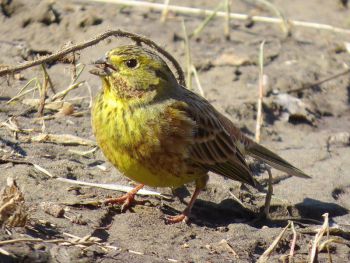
(134,72)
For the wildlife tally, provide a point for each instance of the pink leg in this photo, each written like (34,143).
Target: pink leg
(184,216)
(126,200)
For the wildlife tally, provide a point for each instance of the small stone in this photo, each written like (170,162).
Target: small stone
(339,139)
(185,245)
(53,209)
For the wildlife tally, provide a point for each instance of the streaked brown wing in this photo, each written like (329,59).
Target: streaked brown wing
(213,148)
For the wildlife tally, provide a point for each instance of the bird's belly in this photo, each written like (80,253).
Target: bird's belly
(150,175)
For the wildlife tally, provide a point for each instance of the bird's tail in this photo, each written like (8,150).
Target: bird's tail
(261,153)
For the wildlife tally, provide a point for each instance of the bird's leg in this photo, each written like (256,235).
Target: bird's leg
(184,216)
(126,200)
(268,195)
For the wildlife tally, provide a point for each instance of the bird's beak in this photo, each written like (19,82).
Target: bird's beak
(103,68)
(101,60)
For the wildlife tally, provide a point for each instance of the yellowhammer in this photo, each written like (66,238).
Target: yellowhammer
(158,133)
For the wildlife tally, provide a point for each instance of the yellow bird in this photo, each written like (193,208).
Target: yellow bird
(160,134)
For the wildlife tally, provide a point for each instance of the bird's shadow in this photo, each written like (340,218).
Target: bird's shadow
(228,211)
(315,209)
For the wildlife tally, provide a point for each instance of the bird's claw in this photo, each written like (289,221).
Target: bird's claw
(127,201)
(176,219)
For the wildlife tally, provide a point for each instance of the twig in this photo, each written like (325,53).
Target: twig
(265,256)
(205,12)
(294,240)
(94,41)
(318,237)
(259,118)
(317,83)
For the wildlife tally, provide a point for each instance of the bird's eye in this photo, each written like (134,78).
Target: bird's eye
(131,63)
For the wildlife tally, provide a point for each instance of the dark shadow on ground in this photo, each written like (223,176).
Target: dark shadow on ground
(213,215)
(314,209)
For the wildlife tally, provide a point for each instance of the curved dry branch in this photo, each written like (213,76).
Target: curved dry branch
(94,41)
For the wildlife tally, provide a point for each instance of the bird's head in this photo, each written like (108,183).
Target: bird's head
(134,72)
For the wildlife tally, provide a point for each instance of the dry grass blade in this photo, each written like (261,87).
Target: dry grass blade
(237,200)
(198,83)
(284,22)
(73,240)
(43,91)
(294,240)
(114,187)
(54,105)
(23,90)
(227,19)
(13,211)
(43,170)
(268,195)
(229,248)
(205,12)
(4,252)
(90,94)
(259,118)
(317,240)
(206,21)
(187,57)
(325,244)
(63,93)
(83,153)
(19,240)
(317,83)
(12,125)
(64,139)
(265,256)
(165,11)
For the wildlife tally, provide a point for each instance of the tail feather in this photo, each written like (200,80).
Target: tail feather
(261,153)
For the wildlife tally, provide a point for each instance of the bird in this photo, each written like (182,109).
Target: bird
(158,133)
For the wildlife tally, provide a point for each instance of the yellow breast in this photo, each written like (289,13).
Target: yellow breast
(146,143)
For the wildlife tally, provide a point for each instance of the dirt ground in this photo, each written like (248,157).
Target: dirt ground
(310,128)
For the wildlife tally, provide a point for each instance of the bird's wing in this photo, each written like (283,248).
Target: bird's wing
(259,152)
(212,146)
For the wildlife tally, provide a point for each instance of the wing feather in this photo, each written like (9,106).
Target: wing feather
(212,146)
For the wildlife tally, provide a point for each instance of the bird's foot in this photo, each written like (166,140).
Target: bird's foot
(127,200)
(176,219)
